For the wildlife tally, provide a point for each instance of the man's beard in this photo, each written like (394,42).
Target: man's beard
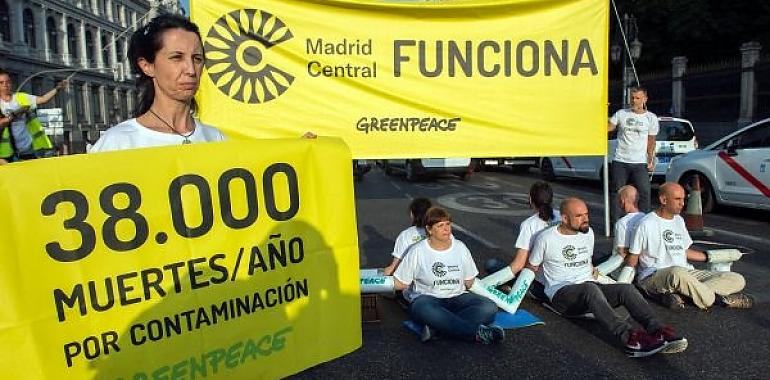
(583,228)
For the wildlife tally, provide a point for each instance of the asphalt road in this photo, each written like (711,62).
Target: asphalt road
(487,210)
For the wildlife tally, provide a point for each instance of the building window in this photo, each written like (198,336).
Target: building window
(79,97)
(96,104)
(109,106)
(29,28)
(89,46)
(72,41)
(53,35)
(105,51)
(119,50)
(5,23)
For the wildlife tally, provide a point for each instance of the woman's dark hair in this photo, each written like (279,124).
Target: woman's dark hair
(145,43)
(418,207)
(541,196)
(434,215)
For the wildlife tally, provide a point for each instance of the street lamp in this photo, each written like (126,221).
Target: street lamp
(629,32)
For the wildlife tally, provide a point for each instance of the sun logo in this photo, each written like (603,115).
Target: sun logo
(237,50)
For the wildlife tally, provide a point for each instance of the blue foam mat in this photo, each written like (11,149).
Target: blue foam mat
(508,321)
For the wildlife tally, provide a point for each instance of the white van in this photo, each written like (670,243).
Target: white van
(735,170)
(675,137)
(416,168)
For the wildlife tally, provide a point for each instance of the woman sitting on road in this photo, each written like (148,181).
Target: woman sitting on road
(442,270)
(541,201)
(410,236)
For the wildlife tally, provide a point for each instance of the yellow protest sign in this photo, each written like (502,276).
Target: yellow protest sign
(411,79)
(225,260)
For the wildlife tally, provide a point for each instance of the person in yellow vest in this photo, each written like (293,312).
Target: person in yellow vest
(5,121)
(24,138)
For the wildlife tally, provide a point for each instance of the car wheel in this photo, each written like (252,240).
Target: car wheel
(411,172)
(707,197)
(546,170)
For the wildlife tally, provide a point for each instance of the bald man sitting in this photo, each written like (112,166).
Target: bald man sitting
(625,227)
(661,247)
(564,255)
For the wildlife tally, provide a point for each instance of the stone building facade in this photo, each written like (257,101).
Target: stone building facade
(44,41)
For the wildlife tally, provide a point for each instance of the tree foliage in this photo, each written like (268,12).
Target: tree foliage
(702,30)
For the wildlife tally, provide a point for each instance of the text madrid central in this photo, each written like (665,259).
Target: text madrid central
(449,58)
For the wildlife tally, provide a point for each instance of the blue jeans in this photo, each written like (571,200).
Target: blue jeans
(622,174)
(458,317)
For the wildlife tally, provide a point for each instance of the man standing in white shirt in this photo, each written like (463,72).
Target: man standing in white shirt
(661,247)
(635,152)
(564,253)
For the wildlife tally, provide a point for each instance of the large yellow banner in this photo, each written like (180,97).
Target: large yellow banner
(234,260)
(410,78)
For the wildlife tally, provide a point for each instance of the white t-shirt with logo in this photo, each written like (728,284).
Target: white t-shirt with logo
(441,274)
(532,226)
(660,243)
(633,129)
(625,228)
(406,239)
(21,136)
(563,259)
(131,135)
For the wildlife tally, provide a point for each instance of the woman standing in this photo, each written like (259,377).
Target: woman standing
(167,57)
(441,269)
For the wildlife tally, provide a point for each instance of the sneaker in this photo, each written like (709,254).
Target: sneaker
(427,333)
(641,344)
(490,334)
(737,301)
(671,300)
(674,343)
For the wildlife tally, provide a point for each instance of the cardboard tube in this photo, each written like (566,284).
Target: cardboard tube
(607,267)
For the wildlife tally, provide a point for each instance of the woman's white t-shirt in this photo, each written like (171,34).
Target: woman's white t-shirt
(441,274)
(131,135)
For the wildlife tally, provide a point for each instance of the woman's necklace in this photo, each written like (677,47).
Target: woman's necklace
(185,137)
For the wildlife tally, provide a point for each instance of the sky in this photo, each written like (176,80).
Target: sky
(186,6)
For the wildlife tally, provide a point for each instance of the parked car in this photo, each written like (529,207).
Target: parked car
(416,168)
(735,170)
(675,137)
(361,167)
(516,164)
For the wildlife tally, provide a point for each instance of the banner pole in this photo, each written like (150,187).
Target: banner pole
(605,184)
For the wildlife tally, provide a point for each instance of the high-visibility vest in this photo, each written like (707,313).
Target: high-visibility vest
(35,129)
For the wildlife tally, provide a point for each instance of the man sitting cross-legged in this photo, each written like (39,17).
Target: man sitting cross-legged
(661,246)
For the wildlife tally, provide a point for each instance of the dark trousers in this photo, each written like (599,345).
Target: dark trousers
(600,299)
(622,174)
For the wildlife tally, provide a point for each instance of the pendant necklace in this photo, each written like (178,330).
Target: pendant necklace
(185,137)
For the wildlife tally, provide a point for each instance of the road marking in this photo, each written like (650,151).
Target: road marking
(473,236)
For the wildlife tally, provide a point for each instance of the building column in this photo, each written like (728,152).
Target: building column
(98,47)
(82,43)
(130,101)
(749,58)
(87,112)
(678,69)
(126,65)
(16,14)
(65,47)
(42,36)
(100,102)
